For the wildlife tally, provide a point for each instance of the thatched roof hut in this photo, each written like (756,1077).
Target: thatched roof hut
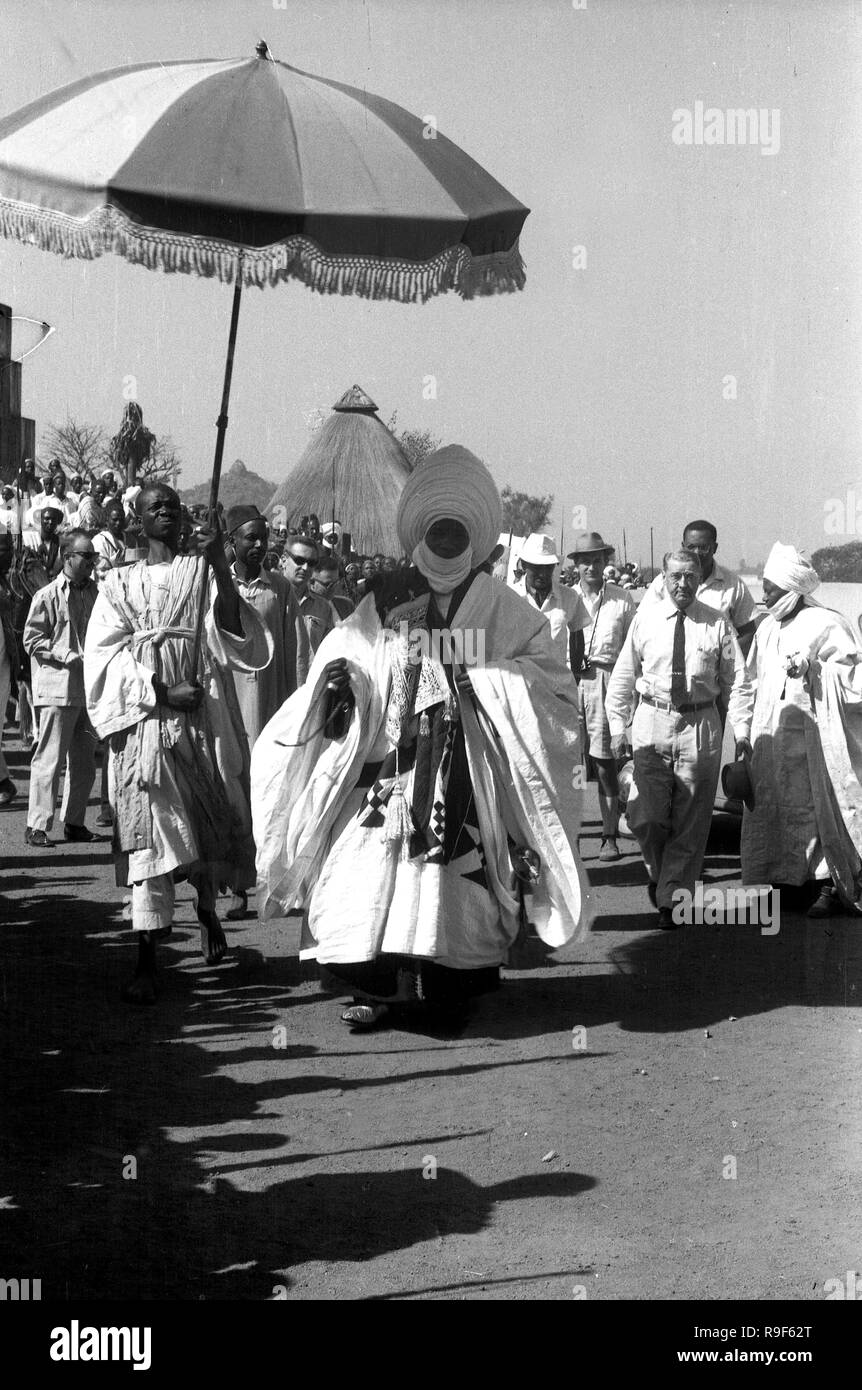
(354,458)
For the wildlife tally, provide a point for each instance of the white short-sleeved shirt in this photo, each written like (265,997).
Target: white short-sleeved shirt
(565,611)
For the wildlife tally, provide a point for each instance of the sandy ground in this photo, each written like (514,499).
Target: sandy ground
(237,1141)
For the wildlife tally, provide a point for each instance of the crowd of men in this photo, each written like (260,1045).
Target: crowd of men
(260,722)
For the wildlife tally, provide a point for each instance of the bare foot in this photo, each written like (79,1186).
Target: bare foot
(140,990)
(213,943)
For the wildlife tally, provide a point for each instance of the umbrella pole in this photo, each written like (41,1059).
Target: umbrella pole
(221,431)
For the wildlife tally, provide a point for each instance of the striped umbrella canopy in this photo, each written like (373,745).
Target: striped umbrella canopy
(255,172)
(254,168)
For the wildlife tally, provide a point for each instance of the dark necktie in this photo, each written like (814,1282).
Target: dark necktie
(677,679)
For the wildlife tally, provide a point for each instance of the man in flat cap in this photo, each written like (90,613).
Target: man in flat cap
(424,771)
(610,610)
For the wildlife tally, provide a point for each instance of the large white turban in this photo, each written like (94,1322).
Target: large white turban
(451,482)
(790,570)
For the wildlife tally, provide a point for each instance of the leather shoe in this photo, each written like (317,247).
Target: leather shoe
(78,833)
(37,838)
(665,920)
(609,850)
(8,791)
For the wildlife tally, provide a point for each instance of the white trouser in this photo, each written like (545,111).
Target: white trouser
(153,903)
(677,759)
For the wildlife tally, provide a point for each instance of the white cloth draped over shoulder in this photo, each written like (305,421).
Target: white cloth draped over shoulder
(522,745)
(806,766)
(143,626)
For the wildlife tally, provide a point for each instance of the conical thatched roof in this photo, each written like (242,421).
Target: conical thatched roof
(238,485)
(355,451)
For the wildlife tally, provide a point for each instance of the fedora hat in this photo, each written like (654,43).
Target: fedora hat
(736,782)
(539,549)
(589,543)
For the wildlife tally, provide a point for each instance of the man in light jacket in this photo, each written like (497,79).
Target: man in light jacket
(54,637)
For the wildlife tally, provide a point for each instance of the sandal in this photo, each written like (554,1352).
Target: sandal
(363,1017)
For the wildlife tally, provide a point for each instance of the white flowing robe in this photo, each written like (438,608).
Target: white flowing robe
(522,747)
(178,781)
(806,766)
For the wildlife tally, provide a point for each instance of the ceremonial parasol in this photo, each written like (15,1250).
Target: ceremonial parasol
(254,172)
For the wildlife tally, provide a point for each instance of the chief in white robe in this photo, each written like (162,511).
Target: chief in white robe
(402,836)
(806,741)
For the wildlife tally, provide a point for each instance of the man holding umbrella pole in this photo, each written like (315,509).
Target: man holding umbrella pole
(179,754)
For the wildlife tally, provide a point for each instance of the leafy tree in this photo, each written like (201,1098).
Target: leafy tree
(79,447)
(839,564)
(522,513)
(417,444)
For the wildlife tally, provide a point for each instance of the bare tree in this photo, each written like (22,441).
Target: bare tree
(80,448)
(164,464)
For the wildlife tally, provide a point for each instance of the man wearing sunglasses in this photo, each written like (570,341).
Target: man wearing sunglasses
(326,583)
(300,559)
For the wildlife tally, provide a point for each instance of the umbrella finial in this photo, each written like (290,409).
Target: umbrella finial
(261,49)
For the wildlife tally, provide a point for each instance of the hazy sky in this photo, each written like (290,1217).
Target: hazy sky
(605,384)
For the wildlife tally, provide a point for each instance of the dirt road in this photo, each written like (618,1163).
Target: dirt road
(698,1139)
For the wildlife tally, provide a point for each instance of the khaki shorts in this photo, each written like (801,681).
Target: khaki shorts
(595,731)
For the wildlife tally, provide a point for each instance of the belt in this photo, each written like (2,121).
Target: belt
(667,708)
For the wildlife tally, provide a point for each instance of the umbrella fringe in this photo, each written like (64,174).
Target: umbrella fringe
(296,258)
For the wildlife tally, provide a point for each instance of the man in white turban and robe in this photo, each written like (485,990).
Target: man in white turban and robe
(804,738)
(420,783)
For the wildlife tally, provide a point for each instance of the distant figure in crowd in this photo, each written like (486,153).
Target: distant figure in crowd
(54,637)
(805,744)
(262,692)
(325,583)
(412,783)
(10,512)
(680,657)
(44,543)
(110,543)
(90,515)
(9,668)
(719,588)
(564,609)
(56,488)
(179,753)
(300,558)
(611,611)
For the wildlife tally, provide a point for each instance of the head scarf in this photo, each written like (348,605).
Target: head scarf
(792,572)
(451,482)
